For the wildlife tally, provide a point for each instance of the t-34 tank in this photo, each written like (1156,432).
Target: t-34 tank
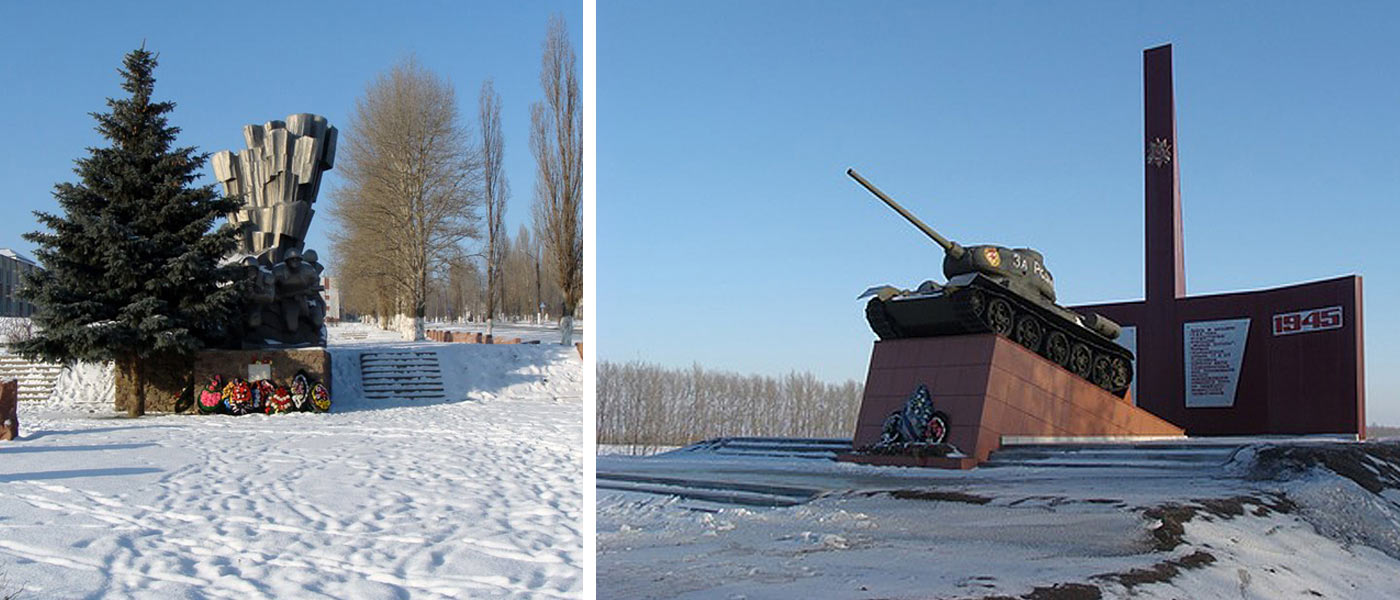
(1001,290)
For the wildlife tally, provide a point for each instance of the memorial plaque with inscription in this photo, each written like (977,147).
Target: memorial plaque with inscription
(1214,353)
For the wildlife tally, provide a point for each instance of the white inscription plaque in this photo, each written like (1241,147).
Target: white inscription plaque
(1214,352)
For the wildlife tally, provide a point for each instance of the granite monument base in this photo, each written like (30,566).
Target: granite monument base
(168,379)
(991,388)
(276,364)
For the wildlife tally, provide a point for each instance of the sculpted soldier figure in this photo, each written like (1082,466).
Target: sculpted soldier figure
(298,292)
(263,292)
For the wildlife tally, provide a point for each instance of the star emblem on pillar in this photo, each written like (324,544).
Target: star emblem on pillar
(1159,152)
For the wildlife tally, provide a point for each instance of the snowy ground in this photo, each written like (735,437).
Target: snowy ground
(1241,527)
(479,496)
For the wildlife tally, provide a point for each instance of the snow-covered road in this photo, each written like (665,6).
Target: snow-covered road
(479,496)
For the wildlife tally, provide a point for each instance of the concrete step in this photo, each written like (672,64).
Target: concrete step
(1179,455)
(724,492)
(36,379)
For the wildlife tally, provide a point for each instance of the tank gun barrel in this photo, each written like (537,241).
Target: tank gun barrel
(952,248)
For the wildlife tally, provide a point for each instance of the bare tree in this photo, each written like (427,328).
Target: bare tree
(497,190)
(411,191)
(556,139)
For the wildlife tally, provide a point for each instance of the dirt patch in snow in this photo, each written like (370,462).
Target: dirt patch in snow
(1161,572)
(1167,534)
(1172,517)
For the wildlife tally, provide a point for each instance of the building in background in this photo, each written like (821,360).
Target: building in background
(331,295)
(13,267)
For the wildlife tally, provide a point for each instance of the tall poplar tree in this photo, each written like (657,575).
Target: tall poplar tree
(556,139)
(131,268)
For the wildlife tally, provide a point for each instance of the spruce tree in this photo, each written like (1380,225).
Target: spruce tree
(132,270)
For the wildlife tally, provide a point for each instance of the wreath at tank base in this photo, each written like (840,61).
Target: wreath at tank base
(916,429)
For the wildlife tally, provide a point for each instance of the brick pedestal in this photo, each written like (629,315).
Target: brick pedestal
(990,387)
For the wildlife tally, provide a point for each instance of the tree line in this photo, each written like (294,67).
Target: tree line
(522,282)
(419,229)
(647,405)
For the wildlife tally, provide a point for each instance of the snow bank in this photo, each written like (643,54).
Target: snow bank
(84,386)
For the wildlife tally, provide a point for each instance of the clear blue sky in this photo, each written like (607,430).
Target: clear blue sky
(230,64)
(729,235)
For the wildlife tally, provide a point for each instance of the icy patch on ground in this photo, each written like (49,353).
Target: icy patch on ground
(854,546)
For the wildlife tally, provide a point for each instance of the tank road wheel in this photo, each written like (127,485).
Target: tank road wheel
(1081,360)
(1103,372)
(977,301)
(1000,317)
(1057,348)
(1122,374)
(1029,332)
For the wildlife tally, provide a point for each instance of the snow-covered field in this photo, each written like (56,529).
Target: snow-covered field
(479,496)
(1244,526)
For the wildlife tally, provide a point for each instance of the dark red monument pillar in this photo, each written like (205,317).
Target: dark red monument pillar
(1277,361)
(1165,262)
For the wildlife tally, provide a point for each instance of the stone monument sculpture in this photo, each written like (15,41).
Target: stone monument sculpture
(278,176)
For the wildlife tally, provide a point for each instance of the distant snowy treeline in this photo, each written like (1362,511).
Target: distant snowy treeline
(642,404)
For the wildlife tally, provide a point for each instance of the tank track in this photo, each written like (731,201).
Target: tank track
(880,320)
(992,309)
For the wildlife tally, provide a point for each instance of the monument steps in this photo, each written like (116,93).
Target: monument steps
(1127,455)
(36,379)
(725,492)
(403,374)
(814,448)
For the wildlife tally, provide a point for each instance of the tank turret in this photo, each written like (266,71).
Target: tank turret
(1001,290)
